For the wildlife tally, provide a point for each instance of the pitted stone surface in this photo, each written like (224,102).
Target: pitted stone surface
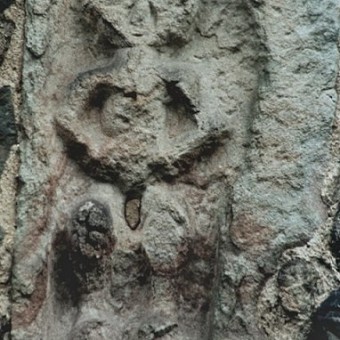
(91,232)
(201,141)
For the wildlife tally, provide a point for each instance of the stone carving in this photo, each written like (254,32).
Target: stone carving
(132,212)
(154,135)
(159,121)
(168,187)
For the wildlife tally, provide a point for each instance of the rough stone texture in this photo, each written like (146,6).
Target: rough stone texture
(11,52)
(179,173)
(7,125)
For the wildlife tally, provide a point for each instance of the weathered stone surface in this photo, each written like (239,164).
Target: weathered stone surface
(8,133)
(179,172)
(11,51)
(6,31)
(132,212)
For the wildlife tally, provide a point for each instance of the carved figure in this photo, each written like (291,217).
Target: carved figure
(135,255)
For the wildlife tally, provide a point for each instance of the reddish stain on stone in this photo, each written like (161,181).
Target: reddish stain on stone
(246,233)
(26,314)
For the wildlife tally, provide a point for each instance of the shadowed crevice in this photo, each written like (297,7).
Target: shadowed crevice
(8,133)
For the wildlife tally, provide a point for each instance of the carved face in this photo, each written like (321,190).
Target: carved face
(130,102)
(137,120)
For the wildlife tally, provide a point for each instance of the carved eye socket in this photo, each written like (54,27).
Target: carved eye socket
(180,98)
(99,95)
(102,92)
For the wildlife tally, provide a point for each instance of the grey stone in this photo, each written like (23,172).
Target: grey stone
(179,170)
(6,31)
(8,133)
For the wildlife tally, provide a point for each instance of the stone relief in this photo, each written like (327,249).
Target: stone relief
(145,125)
(143,119)
(136,123)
